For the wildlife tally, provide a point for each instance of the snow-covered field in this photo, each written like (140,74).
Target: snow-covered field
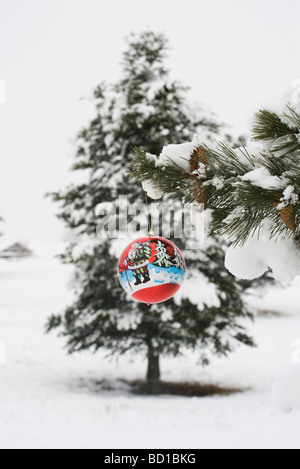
(51,400)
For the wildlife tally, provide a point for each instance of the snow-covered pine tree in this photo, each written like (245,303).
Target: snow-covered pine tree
(163,258)
(144,109)
(177,261)
(252,193)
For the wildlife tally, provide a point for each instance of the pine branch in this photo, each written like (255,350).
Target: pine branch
(269,126)
(170,179)
(240,206)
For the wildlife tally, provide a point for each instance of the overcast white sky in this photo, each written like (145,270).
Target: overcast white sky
(234,54)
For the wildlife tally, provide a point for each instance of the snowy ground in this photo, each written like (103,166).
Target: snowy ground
(50,400)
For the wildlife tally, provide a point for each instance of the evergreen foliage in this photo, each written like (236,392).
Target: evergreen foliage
(241,186)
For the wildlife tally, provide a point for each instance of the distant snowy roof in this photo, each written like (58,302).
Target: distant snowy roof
(15,250)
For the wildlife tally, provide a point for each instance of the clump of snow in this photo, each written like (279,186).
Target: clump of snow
(218,182)
(262,178)
(178,154)
(289,194)
(244,263)
(201,171)
(286,391)
(289,198)
(259,254)
(152,190)
(150,187)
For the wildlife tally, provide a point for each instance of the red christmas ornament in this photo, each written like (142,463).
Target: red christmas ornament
(151,270)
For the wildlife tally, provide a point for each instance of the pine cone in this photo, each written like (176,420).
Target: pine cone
(288,217)
(200,195)
(287,214)
(198,156)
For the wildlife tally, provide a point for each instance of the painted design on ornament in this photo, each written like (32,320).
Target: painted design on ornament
(151,263)
(137,262)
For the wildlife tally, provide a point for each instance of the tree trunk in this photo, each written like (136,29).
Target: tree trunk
(153,373)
